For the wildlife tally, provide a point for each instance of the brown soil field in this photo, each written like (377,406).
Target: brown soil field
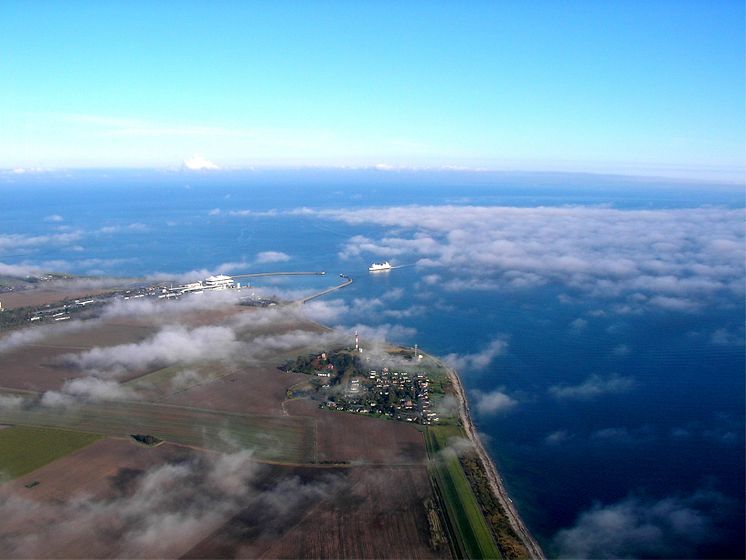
(368,512)
(89,478)
(35,368)
(44,296)
(39,366)
(100,334)
(251,390)
(344,437)
(90,470)
(177,316)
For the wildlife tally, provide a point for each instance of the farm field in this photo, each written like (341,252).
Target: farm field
(259,389)
(263,475)
(344,437)
(282,439)
(98,469)
(470,531)
(84,505)
(23,448)
(364,512)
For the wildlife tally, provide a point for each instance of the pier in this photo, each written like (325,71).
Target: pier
(344,284)
(258,274)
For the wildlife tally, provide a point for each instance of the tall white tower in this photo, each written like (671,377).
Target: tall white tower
(357,342)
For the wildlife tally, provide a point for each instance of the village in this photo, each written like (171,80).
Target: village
(341,383)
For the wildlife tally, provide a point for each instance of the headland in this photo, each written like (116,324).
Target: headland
(240,391)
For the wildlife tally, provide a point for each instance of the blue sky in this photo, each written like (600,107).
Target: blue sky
(622,87)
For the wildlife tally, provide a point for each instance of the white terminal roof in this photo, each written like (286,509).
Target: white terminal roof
(218,278)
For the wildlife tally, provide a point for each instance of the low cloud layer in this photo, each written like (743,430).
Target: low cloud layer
(493,402)
(593,387)
(19,270)
(37,333)
(636,528)
(478,360)
(170,345)
(161,512)
(673,260)
(199,163)
(15,242)
(272,257)
(93,389)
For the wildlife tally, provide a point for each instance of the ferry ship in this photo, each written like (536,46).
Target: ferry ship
(377,267)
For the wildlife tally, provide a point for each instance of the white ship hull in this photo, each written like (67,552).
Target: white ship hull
(379,267)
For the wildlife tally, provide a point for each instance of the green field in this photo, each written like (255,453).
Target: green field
(23,449)
(280,439)
(469,528)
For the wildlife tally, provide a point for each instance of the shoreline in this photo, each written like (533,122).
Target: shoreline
(495,480)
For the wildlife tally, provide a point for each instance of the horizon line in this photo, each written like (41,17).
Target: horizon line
(213,169)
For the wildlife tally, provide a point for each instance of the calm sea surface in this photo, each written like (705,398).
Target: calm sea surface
(663,453)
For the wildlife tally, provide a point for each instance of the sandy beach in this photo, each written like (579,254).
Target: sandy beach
(496,483)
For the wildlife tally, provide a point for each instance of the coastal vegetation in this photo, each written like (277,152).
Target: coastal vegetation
(508,541)
(471,536)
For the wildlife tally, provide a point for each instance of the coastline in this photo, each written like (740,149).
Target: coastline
(496,483)
(495,480)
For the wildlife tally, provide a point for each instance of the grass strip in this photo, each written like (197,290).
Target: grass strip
(474,539)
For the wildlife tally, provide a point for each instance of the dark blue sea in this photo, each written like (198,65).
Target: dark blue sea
(597,322)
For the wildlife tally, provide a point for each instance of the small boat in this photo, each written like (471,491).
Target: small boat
(377,267)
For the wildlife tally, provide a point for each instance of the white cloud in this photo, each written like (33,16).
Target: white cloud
(636,528)
(579,324)
(31,335)
(199,163)
(95,389)
(272,257)
(124,228)
(493,402)
(163,511)
(558,437)
(725,337)
(14,242)
(594,386)
(19,270)
(379,333)
(676,260)
(10,402)
(478,360)
(54,218)
(170,345)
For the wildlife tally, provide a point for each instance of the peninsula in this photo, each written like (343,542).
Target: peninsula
(209,425)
